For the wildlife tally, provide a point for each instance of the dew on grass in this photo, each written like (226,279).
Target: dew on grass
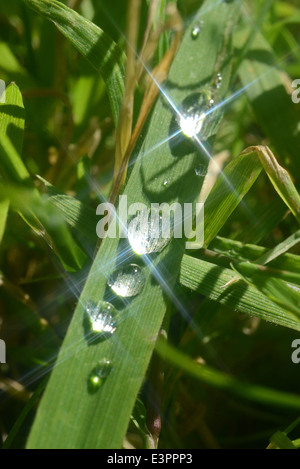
(195,31)
(149,231)
(127,281)
(102,318)
(99,374)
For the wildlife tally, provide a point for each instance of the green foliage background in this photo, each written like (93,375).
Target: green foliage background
(228,378)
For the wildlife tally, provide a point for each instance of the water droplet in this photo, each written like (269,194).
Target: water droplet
(99,374)
(102,318)
(201,170)
(219,80)
(195,31)
(149,231)
(166,182)
(127,281)
(191,121)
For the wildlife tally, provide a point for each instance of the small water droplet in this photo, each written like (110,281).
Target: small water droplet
(102,318)
(99,374)
(219,80)
(127,281)
(195,31)
(166,182)
(201,170)
(150,231)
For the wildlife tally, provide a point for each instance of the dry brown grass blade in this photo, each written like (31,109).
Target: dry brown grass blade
(156,78)
(124,127)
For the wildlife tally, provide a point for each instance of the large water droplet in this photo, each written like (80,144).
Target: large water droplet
(191,121)
(150,231)
(127,281)
(99,374)
(195,31)
(102,318)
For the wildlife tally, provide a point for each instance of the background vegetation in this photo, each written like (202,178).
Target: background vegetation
(224,378)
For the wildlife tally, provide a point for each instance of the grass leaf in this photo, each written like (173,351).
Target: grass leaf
(210,280)
(88,420)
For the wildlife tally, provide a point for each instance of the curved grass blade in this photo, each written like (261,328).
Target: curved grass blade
(96,46)
(210,280)
(218,379)
(274,288)
(237,179)
(232,185)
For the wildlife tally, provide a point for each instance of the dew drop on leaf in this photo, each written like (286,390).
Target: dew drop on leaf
(99,374)
(150,231)
(127,281)
(102,318)
(195,31)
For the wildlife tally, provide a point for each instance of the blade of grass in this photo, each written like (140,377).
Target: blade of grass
(274,288)
(236,180)
(231,186)
(276,257)
(4,207)
(218,379)
(88,420)
(209,280)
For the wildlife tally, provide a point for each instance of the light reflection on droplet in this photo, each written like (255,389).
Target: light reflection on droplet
(102,318)
(191,121)
(149,231)
(99,374)
(127,281)
(195,31)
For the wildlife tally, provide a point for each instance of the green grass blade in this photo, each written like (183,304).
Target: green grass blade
(279,177)
(230,188)
(277,257)
(69,416)
(280,249)
(282,441)
(4,207)
(225,381)
(274,288)
(210,279)
(96,46)
(12,123)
